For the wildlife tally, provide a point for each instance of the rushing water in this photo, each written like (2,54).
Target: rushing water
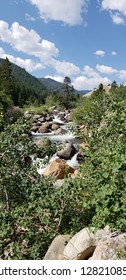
(68,136)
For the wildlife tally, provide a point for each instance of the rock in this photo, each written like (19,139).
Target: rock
(101,233)
(34,128)
(81,246)
(42,119)
(60,131)
(55,251)
(28,114)
(55,126)
(67,152)
(45,128)
(69,118)
(111,247)
(58,168)
(49,118)
(43,142)
(36,117)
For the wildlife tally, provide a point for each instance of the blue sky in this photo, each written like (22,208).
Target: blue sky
(82,39)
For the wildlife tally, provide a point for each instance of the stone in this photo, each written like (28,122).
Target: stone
(34,128)
(55,251)
(55,126)
(112,247)
(60,131)
(67,152)
(43,142)
(45,128)
(81,246)
(42,119)
(58,168)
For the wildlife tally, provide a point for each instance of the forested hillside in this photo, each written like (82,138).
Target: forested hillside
(26,87)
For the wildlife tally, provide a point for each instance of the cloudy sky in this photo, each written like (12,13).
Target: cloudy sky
(82,39)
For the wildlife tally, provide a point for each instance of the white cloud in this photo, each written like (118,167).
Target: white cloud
(117,19)
(90,72)
(29,18)
(122,74)
(83,82)
(67,11)
(113,53)
(106,69)
(117,9)
(65,68)
(29,42)
(119,5)
(100,53)
(28,64)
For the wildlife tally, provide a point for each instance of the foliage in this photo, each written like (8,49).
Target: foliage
(104,167)
(33,212)
(5,105)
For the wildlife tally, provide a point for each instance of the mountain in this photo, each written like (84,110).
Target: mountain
(51,84)
(25,79)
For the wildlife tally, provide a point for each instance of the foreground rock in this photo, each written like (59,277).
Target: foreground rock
(85,245)
(112,247)
(55,251)
(81,246)
(58,168)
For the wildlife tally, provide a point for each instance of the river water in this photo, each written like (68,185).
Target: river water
(68,136)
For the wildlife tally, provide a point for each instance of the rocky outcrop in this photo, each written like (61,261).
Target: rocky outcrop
(85,245)
(58,168)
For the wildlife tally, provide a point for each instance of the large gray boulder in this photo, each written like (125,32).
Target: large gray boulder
(81,246)
(67,152)
(112,247)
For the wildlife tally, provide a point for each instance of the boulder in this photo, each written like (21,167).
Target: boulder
(67,152)
(81,246)
(112,247)
(43,142)
(58,168)
(34,128)
(36,117)
(55,126)
(42,119)
(55,251)
(60,131)
(49,118)
(45,127)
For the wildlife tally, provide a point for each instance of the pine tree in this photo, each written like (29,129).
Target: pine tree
(7,82)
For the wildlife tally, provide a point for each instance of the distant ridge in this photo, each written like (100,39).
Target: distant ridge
(51,84)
